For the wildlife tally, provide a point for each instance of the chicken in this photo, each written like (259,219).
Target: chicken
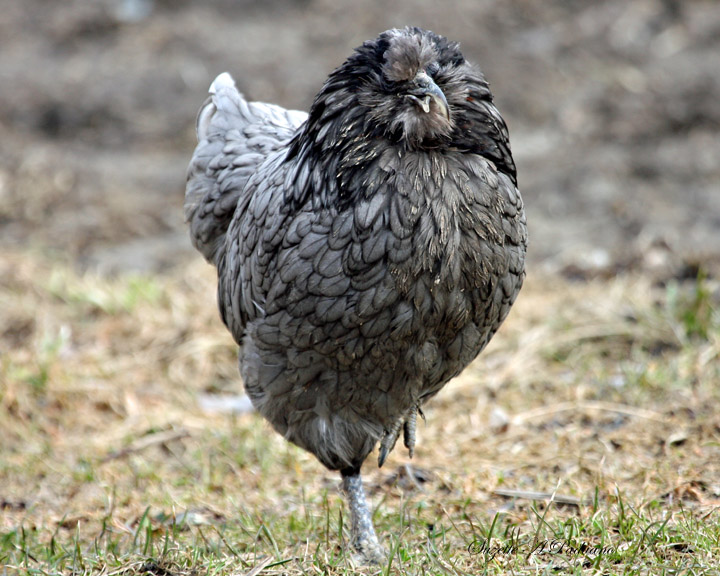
(366,252)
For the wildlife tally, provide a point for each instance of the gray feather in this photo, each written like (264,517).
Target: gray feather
(234,138)
(366,252)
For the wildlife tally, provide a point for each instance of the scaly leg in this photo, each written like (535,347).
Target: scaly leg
(409,429)
(408,423)
(363,537)
(388,441)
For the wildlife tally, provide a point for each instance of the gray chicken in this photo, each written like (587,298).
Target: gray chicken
(366,252)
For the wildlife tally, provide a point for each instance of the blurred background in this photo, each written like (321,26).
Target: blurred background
(613,108)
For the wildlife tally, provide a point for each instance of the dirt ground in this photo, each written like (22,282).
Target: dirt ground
(608,385)
(614,111)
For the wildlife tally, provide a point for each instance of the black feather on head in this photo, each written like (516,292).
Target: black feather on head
(408,88)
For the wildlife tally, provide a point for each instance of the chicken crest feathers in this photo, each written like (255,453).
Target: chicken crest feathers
(360,108)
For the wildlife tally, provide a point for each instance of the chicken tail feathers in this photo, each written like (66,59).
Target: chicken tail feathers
(234,138)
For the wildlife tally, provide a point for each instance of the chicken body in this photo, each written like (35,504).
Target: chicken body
(366,252)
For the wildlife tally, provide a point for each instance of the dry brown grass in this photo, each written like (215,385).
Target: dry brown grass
(600,392)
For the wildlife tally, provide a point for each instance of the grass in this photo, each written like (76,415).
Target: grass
(585,440)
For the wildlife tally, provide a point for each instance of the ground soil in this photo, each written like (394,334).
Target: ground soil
(604,388)
(614,111)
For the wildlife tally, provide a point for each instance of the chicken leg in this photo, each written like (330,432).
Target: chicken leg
(408,423)
(363,537)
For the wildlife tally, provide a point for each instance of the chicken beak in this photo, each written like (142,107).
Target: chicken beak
(427,91)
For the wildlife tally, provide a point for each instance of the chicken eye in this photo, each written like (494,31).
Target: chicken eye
(432,69)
